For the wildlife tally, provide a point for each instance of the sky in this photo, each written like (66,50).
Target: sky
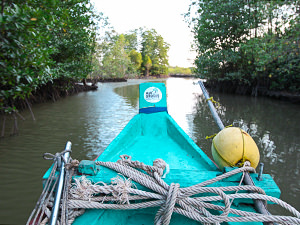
(165,16)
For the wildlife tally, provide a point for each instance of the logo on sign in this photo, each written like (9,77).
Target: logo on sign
(152,95)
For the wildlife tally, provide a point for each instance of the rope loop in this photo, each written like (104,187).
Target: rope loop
(164,214)
(214,102)
(158,165)
(125,158)
(50,156)
(170,202)
(58,157)
(74,163)
(211,136)
(215,134)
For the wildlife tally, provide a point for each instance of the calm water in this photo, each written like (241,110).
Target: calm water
(91,120)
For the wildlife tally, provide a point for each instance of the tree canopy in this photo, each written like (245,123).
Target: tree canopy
(115,60)
(144,52)
(253,42)
(42,41)
(154,47)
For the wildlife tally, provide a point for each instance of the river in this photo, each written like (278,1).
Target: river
(91,120)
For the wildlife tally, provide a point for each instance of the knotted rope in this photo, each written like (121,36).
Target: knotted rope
(41,213)
(171,198)
(159,165)
(214,102)
(215,134)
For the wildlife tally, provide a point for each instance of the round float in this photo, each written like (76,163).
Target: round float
(233,146)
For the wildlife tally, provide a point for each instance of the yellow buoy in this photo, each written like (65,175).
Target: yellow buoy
(232,147)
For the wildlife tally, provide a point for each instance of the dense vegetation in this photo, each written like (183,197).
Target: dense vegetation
(43,42)
(251,43)
(180,70)
(48,46)
(139,52)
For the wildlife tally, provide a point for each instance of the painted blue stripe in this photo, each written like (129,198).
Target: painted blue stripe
(149,110)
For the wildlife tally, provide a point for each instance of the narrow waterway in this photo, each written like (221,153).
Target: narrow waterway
(91,120)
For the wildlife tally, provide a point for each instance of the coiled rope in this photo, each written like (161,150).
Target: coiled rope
(171,198)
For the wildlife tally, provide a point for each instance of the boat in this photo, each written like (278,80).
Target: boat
(154,173)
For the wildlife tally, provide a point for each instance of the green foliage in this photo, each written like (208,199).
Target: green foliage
(277,61)
(252,42)
(116,58)
(136,59)
(115,62)
(73,37)
(147,64)
(42,41)
(154,47)
(180,70)
(25,57)
(131,41)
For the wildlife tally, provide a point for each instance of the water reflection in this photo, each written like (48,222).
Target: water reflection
(181,97)
(274,125)
(109,115)
(130,94)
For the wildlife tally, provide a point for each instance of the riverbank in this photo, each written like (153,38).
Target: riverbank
(122,79)
(53,91)
(234,87)
(106,80)
(118,79)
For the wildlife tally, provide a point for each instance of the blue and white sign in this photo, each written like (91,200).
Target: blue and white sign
(152,95)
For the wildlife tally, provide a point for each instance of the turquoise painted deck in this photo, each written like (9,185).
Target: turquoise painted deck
(149,136)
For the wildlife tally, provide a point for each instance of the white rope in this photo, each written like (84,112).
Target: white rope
(41,213)
(171,198)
